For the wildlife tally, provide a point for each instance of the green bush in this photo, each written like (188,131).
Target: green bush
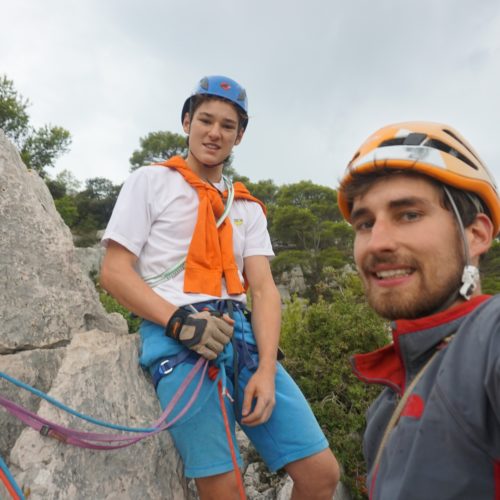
(318,340)
(490,270)
(111,305)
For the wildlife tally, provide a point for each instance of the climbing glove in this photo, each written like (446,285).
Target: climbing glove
(204,332)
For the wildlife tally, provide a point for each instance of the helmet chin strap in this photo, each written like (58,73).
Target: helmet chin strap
(470,274)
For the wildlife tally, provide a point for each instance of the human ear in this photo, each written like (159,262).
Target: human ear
(480,235)
(239,136)
(186,123)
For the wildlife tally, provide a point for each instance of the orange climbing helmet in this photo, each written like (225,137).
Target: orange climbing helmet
(432,149)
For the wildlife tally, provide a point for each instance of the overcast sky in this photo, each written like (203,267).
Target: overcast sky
(320,75)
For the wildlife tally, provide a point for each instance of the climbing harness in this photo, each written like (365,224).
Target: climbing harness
(171,273)
(242,357)
(242,350)
(167,365)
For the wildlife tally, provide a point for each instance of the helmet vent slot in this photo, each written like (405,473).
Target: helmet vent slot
(434,143)
(397,141)
(451,134)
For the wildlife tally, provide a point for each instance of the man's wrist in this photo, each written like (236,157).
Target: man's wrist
(176,322)
(267,363)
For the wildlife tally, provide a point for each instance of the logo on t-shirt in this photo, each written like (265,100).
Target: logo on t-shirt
(238,222)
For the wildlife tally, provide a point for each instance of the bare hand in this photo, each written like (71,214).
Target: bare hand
(259,390)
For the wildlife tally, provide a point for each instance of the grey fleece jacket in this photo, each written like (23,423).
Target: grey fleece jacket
(446,444)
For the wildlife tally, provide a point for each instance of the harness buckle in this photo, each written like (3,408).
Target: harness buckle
(164,368)
(47,431)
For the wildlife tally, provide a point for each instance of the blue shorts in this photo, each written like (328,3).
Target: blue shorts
(290,434)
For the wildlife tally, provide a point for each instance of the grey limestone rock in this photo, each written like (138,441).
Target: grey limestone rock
(90,259)
(37,368)
(55,336)
(291,283)
(45,295)
(99,376)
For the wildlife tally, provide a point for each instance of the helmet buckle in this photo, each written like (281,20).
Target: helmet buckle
(470,279)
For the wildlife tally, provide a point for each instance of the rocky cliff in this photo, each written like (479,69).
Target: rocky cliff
(55,335)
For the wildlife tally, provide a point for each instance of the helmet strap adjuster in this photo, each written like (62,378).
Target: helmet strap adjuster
(470,279)
(470,274)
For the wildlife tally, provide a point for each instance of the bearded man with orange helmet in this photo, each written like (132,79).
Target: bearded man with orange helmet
(424,209)
(182,242)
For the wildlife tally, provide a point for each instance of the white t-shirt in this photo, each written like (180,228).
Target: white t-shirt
(154,218)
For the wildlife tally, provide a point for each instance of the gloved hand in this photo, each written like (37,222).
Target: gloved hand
(205,332)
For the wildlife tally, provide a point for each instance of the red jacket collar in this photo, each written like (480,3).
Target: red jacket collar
(385,366)
(404,326)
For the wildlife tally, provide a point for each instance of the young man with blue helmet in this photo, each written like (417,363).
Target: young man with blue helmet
(182,243)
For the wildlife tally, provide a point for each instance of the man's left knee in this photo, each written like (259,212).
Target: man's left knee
(328,473)
(318,474)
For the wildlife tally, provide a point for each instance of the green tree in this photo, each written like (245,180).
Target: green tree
(287,259)
(320,200)
(39,148)
(99,188)
(43,146)
(71,183)
(95,204)
(304,216)
(318,340)
(57,189)
(67,209)
(14,119)
(307,230)
(296,227)
(490,270)
(64,184)
(264,190)
(158,146)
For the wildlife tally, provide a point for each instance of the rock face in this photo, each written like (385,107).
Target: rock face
(99,367)
(55,336)
(90,259)
(290,283)
(40,275)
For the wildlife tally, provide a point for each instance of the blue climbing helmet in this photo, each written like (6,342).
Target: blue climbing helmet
(224,87)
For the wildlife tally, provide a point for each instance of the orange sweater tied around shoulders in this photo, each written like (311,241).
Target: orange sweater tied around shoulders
(210,256)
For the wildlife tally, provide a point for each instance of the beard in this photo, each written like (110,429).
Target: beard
(433,292)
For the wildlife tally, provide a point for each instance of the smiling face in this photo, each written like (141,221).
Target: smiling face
(213,131)
(406,247)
